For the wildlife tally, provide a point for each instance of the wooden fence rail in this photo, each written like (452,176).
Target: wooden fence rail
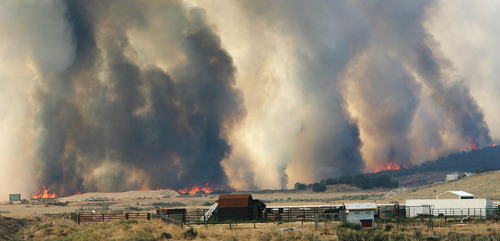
(91,217)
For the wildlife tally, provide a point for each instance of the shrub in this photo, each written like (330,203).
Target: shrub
(347,225)
(417,234)
(190,233)
(300,186)
(165,235)
(318,187)
(388,227)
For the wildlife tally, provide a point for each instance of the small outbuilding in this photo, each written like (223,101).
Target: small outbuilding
(173,213)
(455,195)
(239,206)
(14,197)
(360,213)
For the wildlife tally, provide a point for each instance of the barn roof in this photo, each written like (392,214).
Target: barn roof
(234,200)
(459,193)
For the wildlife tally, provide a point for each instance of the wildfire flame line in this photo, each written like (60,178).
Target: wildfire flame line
(195,189)
(389,166)
(44,194)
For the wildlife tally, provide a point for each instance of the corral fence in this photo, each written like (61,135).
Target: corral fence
(102,217)
(271,214)
(429,210)
(430,217)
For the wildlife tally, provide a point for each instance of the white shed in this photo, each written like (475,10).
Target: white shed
(360,213)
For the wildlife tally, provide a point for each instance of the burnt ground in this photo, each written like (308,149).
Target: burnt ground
(10,226)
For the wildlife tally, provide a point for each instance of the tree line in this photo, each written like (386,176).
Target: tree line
(362,181)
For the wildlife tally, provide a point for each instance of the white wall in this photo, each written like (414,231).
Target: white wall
(354,215)
(458,207)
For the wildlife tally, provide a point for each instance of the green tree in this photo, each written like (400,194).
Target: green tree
(318,187)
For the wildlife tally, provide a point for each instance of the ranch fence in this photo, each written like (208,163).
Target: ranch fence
(102,217)
(271,214)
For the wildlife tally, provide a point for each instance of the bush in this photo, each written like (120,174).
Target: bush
(165,235)
(190,233)
(347,225)
(318,187)
(300,186)
(417,234)
(388,227)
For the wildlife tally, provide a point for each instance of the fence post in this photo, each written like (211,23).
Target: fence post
(316,221)
(254,223)
(126,216)
(230,227)
(149,216)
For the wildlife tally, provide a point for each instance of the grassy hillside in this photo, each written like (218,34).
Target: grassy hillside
(485,185)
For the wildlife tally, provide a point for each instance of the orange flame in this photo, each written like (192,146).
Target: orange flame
(44,194)
(159,189)
(195,189)
(389,166)
(471,144)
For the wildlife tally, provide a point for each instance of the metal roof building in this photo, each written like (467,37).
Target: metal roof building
(455,195)
(450,203)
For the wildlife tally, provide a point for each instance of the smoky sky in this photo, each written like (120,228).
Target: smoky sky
(123,95)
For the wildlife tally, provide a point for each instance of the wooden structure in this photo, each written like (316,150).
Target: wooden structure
(239,206)
(93,217)
(178,214)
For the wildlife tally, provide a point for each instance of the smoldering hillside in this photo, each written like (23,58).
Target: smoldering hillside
(122,95)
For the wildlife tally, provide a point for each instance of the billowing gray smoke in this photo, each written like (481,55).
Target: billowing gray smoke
(121,95)
(168,127)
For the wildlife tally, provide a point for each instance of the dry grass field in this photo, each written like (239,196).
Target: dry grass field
(62,228)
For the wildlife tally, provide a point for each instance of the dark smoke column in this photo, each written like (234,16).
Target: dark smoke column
(110,124)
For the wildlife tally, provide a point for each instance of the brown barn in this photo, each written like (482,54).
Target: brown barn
(239,206)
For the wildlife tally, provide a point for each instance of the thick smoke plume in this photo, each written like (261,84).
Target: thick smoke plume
(110,124)
(121,95)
